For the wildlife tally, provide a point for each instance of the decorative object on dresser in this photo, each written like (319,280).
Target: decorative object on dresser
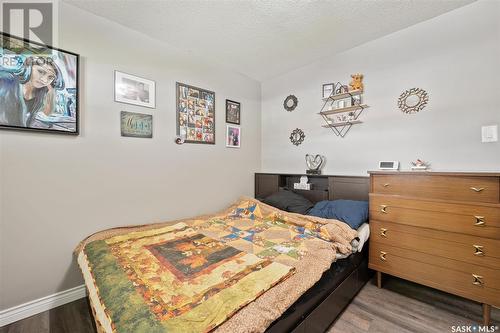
(314,164)
(413,100)
(297,136)
(440,229)
(290,103)
(342,108)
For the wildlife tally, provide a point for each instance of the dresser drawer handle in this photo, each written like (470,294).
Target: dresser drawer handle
(383,209)
(479,221)
(382,255)
(477,280)
(478,250)
(383,232)
(475,189)
(387,185)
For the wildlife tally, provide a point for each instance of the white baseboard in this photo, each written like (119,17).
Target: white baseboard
(37,306)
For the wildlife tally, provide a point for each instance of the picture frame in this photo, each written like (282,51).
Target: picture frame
(135,90)
(195,113)
(52,73)
(328,89)
(137,125)
(233,136)
(233,112)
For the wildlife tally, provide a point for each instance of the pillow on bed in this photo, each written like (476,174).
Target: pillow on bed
(289,201)
(352,212)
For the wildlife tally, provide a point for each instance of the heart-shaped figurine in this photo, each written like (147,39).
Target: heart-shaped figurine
(314,162)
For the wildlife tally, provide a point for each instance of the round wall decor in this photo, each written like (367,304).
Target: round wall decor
(413,100)
(297,136)
(290,103)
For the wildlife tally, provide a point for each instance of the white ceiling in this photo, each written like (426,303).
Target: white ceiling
(265,38)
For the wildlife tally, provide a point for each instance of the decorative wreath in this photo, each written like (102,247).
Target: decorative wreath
(415,107)
(294,100)
(297,136)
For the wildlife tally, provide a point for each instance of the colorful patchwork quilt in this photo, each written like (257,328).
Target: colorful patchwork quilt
(194,275)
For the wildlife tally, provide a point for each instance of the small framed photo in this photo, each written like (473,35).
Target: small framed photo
(328,89)
(233,136)
(136,125)
(344,89)
(233,110)
(135,90)
(356,100)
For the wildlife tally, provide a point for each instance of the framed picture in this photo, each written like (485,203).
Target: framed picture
(233,112)
(38,87)
(136,125)
(328,89)
(233,136)
(195,109)
(134,90)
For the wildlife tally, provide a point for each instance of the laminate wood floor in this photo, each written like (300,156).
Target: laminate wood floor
(400,306)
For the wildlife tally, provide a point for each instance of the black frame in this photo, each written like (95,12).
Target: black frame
(178,129)
(323,89)
(239,112)
(77,102)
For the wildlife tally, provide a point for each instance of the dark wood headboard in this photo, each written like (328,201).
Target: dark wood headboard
(324,187)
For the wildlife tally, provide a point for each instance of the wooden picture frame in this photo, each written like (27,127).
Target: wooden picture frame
(233,112)
(53,75)
(195,110)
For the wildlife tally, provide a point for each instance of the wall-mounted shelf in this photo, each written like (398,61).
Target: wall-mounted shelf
(336,97)
(343,123)
(343,110)
(336,118)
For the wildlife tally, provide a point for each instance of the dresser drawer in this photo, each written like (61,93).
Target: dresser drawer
(478,220)
(470,249)
(477,189)
(478,283)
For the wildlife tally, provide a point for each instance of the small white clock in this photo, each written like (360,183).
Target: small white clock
(388,165)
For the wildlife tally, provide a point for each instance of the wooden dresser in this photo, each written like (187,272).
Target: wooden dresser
(438,229)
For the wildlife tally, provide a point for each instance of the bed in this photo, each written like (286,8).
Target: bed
(250,263)
(318,308)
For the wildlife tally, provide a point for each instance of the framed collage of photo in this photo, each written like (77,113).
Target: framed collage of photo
(38,87)
(195,114)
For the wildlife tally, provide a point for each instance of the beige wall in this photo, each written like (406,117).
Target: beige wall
(55,190)
(455,57)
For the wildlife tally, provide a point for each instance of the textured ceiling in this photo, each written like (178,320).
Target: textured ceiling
(265,38)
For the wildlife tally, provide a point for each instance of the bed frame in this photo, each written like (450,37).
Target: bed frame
(329,306)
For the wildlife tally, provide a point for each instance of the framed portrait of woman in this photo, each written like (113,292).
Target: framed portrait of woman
(38,87)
